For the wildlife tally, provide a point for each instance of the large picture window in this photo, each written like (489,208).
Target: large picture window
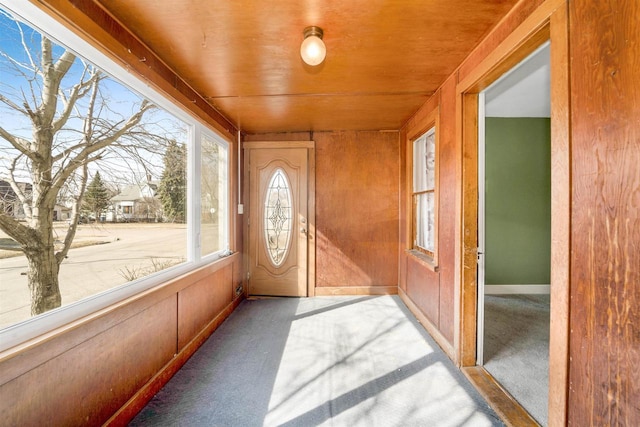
(424,193)
(98,174)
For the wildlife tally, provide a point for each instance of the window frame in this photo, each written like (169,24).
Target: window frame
(25,330)
(430,123)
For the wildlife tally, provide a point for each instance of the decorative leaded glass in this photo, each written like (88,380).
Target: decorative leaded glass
(278,217)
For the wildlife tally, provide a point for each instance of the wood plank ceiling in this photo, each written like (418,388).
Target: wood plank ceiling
(384,57)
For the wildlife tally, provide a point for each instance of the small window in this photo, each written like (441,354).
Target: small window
(424,189)
(213,195)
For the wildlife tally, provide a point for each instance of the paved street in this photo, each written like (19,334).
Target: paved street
(92,269)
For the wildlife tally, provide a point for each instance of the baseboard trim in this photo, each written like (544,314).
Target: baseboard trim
(507,408)
(356,290)
(517,289)
(427,325)
(139,400)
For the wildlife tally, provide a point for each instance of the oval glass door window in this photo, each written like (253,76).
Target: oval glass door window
(278,214)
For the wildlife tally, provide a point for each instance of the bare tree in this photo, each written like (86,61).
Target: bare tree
(70,129)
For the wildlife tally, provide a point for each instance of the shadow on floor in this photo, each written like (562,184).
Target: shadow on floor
(319,361)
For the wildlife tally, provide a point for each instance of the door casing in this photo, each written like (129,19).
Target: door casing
(311,227)
(548,22)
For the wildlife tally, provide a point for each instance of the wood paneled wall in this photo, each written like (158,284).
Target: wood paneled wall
(115,360)
(357,212)
(433,291)
(604,268)
(605,258)
(357,209)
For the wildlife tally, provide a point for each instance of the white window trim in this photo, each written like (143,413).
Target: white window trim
(20,332)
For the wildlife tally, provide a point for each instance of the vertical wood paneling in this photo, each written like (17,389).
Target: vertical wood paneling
(357,208)
(447,158)
(201,302)
(87,383)
(605,258)
(85,372)
(423,287)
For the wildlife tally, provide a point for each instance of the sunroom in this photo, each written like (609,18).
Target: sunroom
(456,173)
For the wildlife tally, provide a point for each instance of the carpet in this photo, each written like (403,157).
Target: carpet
(516,348)
(331,361)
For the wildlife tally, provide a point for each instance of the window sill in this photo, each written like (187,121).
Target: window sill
(423,259)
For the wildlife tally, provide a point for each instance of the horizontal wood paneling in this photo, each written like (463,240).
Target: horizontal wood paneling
(357,208)
(605,224)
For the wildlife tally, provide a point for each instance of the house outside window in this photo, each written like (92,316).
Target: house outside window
(424,193)
(160,197)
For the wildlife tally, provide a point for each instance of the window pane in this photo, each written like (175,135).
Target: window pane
(425,221)
(113,171)
(424,162)
(419,165)
(213,196)
(430,161)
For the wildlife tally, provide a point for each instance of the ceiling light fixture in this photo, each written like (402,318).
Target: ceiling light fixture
(313,50)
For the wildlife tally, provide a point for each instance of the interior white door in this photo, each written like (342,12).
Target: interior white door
(481,230)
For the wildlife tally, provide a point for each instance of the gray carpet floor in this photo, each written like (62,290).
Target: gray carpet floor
(516,348)
(331,361)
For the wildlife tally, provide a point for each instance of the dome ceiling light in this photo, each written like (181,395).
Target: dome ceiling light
(313,50)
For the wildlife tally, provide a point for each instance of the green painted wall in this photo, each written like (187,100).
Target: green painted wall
(518,201)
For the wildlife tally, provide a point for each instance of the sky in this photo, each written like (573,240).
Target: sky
(119,103)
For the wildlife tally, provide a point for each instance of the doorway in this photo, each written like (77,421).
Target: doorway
(280,218)
(550,23)
(514,231)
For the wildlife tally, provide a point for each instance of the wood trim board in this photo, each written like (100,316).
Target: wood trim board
(426,323)
(355,290)
(561,219)
(549,20)
(509,410)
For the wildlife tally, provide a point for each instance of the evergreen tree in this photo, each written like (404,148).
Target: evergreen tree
(173,184)
(96,198)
